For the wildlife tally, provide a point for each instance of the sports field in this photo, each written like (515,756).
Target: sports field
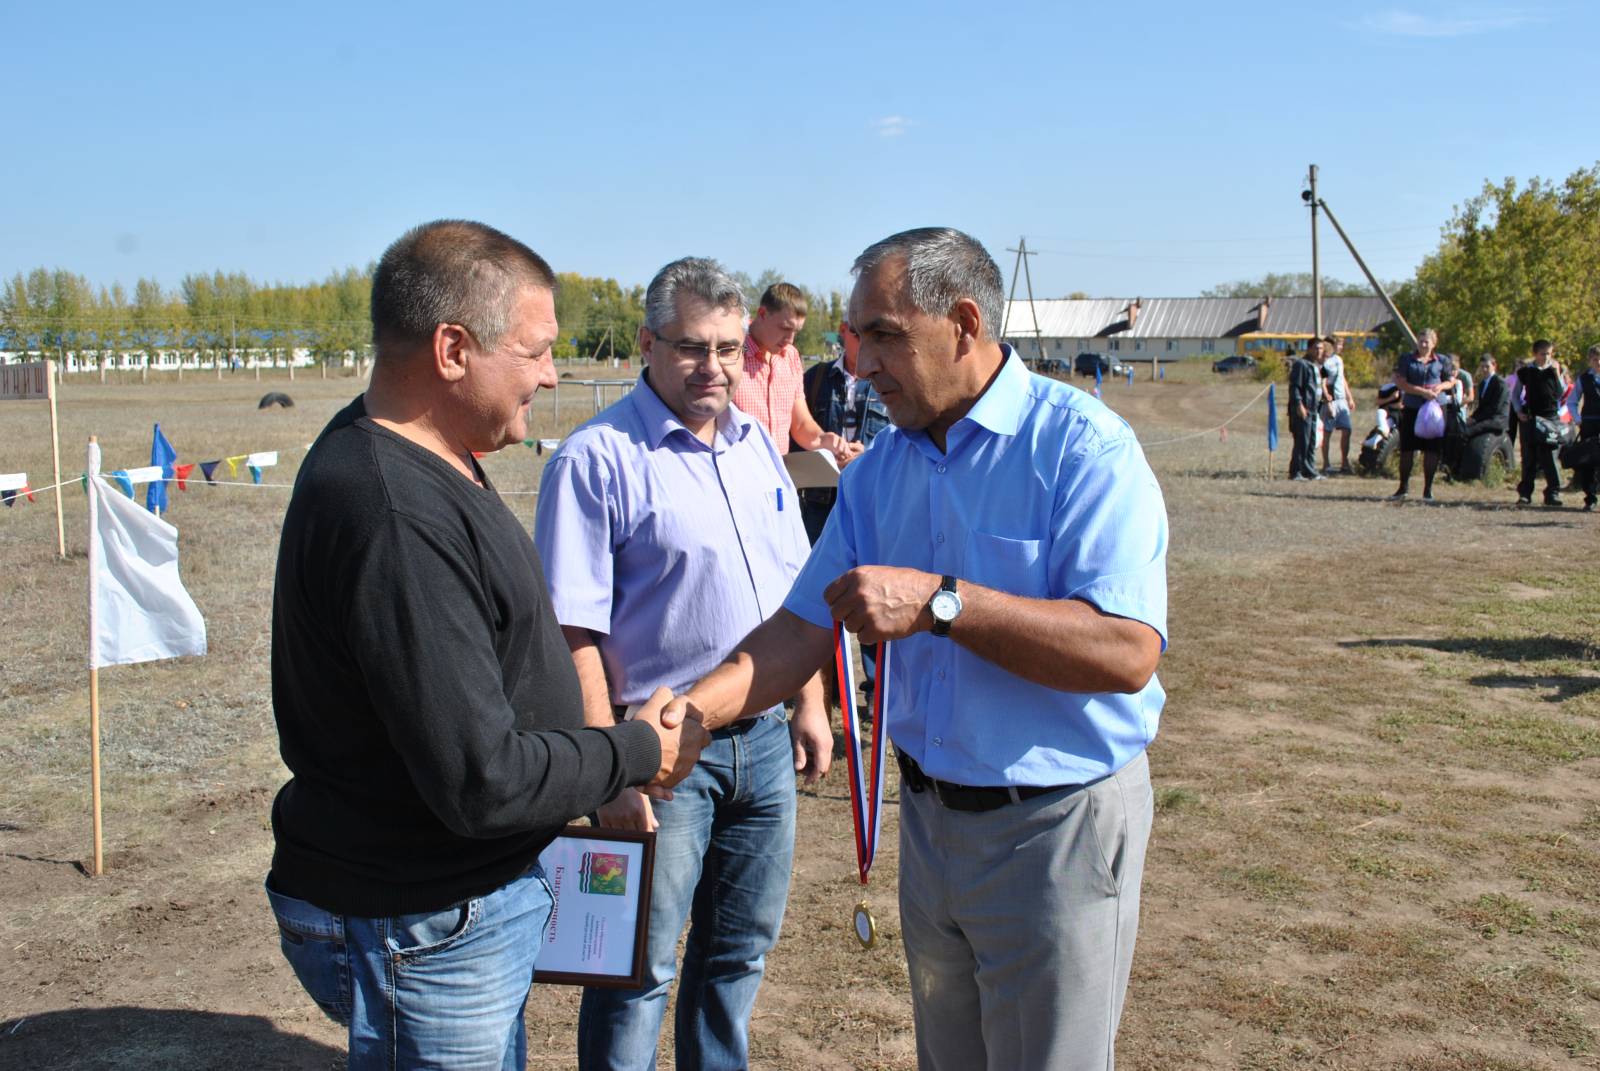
(1378,778)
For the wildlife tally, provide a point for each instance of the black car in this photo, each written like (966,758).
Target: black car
(1237,363)
(1087,363)
(1051,366)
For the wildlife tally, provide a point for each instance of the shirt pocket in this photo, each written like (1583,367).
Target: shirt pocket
(1015,566)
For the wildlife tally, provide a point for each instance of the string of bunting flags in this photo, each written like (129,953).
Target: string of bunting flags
(164,469)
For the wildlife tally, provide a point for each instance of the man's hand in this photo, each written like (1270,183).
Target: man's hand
(843,452)
(681,744)
(813,742)
(630,810)
(882,602)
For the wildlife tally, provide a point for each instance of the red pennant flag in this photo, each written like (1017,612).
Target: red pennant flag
(28,491)
(182,473)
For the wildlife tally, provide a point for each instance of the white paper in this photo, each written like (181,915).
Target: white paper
(13,481)
(140,611)
(264,460)
(145,474)
(812,468)
(595,918)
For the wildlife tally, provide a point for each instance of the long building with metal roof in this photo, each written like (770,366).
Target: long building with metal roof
(1145,329)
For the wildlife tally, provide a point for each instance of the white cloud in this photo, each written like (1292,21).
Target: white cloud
(891,126)
(1403,23)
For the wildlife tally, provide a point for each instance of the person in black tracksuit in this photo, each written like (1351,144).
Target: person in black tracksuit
(1305,395)
(1589,427)
(1542,385)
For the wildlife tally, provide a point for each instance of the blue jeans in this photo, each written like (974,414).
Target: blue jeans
(723,851)
(442,989)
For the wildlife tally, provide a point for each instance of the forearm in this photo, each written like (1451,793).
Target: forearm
(1065,644)
(778,660)
(805,430)
(597,709)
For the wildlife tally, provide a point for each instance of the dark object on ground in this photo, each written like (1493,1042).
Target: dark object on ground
(1376,450)
(1237,363)
(1086,363)
(1473,462)
(275,398)
(1052,366)
(1580,454)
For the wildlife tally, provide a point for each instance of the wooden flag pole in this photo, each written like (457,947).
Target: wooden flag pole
(93,469)
(55,457)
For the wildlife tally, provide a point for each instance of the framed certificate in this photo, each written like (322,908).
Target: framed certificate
(601,918)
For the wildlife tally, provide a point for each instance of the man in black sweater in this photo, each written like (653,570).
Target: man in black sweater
(426,702)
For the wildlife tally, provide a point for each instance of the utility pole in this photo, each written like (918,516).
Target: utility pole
(1316,267)
(1310,197)
(1022,258)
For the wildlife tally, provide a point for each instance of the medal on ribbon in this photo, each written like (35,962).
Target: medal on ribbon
(866,787)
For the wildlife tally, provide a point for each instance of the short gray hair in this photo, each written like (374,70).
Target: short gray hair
(451,271)
(943,266)
(699,277)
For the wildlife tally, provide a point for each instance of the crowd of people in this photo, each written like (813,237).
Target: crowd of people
(1434,406)
(450,693)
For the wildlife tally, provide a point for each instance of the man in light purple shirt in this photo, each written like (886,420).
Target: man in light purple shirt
(669,529)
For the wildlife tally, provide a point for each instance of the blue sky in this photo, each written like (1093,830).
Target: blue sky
(1146,149)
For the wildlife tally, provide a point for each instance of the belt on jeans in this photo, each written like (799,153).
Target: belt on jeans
(967,797)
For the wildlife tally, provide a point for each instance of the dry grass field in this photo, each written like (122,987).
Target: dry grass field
(1378,778)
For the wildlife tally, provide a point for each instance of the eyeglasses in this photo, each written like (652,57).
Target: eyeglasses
(695,352)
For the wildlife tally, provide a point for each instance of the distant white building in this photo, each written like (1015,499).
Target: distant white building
(1169,329)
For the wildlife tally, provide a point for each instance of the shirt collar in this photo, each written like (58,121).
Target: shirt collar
(659,422)
(1001,408)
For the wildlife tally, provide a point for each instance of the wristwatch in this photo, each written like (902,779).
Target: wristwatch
(945,606)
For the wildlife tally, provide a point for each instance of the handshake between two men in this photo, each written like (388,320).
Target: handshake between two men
(877,603)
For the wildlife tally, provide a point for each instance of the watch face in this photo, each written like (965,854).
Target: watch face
(945,606)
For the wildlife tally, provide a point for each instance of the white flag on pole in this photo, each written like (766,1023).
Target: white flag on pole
(138,608)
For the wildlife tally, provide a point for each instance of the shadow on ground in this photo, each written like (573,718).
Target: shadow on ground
(1563,686)
(127,1038)
(1528,649)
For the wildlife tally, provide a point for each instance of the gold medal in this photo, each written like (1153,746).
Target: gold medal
(866,929)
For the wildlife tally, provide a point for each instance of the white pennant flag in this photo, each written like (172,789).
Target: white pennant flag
(138,608)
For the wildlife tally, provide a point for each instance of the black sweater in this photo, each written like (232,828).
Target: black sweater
(427,704)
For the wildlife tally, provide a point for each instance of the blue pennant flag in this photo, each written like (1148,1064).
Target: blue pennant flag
(209,468)
(255,472)
(1272,417)
(161,453)
(121,476)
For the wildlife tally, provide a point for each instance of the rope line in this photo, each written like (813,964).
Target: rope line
(1208,431)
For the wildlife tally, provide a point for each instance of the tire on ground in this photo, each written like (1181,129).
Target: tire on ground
(1477,451)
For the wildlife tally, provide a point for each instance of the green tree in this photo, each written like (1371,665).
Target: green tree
(1516,263)
(1287,284)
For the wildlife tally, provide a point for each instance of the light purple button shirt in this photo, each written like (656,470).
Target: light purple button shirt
(670,550)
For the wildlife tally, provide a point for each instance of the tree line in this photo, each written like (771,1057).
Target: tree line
(1518,262)
(59,311)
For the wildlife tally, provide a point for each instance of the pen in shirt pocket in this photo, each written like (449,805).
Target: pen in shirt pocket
(779,493)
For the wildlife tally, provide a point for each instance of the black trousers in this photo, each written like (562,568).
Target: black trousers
(1589,475)
(1301,459)
(1541,456)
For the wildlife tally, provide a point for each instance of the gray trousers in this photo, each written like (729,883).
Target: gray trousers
(1019,924)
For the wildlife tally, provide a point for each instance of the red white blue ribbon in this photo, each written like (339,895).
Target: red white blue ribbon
(866,802)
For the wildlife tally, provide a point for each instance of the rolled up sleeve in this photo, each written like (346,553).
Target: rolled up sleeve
(1109,535)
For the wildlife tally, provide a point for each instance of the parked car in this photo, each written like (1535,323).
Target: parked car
(1052,366)
(1086,363)
(1237,363)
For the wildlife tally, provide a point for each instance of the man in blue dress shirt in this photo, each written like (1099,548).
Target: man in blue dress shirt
(1010,539)
(670,529)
